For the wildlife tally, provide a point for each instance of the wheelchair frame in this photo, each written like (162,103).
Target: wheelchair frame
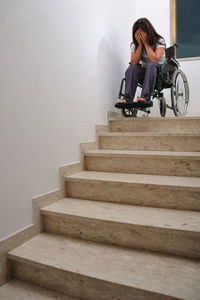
(166,78)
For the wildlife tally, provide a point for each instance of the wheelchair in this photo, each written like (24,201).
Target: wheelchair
(168,77)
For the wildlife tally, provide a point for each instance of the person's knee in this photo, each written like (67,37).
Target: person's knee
(153,65)
(134,68)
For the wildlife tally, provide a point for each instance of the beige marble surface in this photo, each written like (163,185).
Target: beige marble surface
(130,214)
(144,190)
(68,170)
(109,266)
(144,162)
(148,141)
(20,290)
(165,230)
(175,181)
(142,153)
(100,128)
(174,124)
(152,134)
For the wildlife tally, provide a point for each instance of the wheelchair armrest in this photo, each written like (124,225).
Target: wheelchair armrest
(170,51)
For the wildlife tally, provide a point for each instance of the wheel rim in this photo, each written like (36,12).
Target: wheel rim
(128,113)
(180,94)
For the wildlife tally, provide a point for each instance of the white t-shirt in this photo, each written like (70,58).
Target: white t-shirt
(144,57)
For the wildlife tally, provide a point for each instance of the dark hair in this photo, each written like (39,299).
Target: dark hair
(145,25)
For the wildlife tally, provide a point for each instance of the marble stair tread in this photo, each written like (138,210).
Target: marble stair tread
(144,153)
(156,273)
(155,124)
(129,214)
(155,118)
(142,133)
(21,290)
(172,181)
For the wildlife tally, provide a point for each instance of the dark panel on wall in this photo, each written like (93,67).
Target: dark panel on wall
(188,28)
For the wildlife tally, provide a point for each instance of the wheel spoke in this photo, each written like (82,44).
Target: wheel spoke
(180,93)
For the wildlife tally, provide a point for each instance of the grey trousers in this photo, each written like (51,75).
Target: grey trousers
(145,76)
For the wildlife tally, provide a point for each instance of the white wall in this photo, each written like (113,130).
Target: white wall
(191,69)
(61,64)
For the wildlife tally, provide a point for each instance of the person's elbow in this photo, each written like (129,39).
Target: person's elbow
(155,59)
(134,61)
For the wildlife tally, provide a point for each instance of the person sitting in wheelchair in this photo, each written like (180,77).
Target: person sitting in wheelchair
(147,55)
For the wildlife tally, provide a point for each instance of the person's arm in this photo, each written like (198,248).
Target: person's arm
(154,56)
(136,56)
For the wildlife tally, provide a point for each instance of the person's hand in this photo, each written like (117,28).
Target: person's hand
(138,37)
(144,37)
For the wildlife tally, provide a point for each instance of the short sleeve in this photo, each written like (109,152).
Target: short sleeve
(132,48)
(161,43)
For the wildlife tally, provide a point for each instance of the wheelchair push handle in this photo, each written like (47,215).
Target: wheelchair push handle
(171,51)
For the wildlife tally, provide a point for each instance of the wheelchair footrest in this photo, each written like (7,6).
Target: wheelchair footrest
(134,105)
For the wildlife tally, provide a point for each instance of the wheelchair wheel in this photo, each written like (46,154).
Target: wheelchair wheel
(129,113)
(132,112)
(162,106)
(179,93)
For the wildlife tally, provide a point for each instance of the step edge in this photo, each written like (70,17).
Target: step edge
(149,134)
(142,155)
(59,214)
(174,187)
(157,118)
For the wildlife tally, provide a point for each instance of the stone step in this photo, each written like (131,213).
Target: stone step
(187,142)
(168,231)
(144,162)
(138,189)
(93,271)
(186,124)
(21,290)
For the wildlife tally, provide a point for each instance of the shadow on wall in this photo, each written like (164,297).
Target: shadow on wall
(111,70)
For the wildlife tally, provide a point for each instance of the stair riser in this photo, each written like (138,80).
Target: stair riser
(78,285)
(158,143)
(164,240)
(137,194)
(148,125)
(142,165)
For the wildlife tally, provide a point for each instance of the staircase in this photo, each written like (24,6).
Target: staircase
(129,227)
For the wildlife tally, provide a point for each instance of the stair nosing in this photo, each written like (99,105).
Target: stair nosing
(46,211)
(143,153)
(74,178)
(149,133)
(155,118)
